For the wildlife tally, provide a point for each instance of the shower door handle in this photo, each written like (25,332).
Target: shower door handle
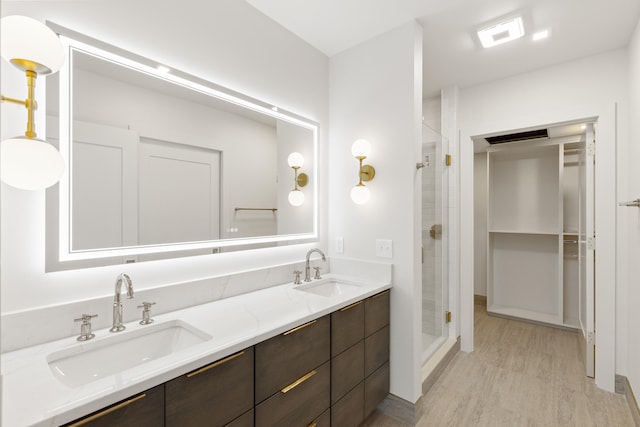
(436,231)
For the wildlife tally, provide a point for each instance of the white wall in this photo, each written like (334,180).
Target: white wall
(630,226)
(231,44)
(590,87)
(375,93)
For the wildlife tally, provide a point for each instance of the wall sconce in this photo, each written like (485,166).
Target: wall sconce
(360,150)
(296,197)
(29,163)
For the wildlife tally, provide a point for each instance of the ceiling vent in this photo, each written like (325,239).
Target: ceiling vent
(519,136)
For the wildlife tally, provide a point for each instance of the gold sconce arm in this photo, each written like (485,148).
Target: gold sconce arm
(30,103)
(300,180)
(367,172)
(295,161)
(360,150)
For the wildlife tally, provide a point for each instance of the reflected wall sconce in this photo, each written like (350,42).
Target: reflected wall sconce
(361,150)
(29,163)
(296,196)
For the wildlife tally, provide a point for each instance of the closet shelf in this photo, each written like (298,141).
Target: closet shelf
(535,232)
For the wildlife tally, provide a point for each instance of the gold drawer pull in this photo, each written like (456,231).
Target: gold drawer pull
(300,327)
(214,364)
(381,294)
(351,306)
(313,424)
(297,382)
(107,411)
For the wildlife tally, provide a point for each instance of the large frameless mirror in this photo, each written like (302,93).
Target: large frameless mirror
(162,164)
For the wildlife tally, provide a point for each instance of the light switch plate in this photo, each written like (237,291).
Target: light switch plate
(339,245)
(384,248)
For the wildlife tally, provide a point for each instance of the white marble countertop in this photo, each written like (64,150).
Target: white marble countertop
(33,396)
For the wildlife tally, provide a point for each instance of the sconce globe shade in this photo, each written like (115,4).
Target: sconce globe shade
(361,148)
(30,164)
(30,45)
(295,160)
(296,198)
(360,194)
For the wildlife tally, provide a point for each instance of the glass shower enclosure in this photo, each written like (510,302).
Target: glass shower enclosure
(435,291)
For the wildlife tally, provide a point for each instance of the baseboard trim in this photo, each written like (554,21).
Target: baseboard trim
(632,402)
(433,376)
(401,410)
(620,384)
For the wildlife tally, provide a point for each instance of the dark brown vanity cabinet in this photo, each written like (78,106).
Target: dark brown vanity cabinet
(214,395)
(293,375)
(141,410)
(359,359)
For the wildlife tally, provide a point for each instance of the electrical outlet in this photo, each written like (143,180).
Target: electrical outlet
(339,245)
(384,248)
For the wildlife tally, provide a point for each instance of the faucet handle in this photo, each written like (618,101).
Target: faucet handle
(146,305)
(297,273)
(146,313)
(317,275)
(85,318)
(85,327)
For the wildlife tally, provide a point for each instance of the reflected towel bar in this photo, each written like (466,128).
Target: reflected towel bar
(257,209)
(635,203)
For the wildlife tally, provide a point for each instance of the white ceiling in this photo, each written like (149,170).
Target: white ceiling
(452,54)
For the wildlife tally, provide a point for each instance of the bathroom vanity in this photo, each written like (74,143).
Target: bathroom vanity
(309,354)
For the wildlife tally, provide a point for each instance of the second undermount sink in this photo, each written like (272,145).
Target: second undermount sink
(330,288)
(91,361)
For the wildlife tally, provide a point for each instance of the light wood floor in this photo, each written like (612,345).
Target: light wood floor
(520,374)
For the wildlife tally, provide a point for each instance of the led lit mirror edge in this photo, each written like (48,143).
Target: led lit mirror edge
(59,195)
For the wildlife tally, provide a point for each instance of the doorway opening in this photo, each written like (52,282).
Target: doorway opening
(534,227)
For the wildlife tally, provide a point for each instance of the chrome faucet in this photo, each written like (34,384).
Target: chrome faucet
(117,325)
(307,269)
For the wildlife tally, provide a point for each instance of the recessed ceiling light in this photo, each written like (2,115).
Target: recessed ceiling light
(540,35)
(501,33)
(163,68)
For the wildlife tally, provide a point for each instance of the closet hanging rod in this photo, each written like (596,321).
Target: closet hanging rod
(570,241)
(633,203)
(257,209)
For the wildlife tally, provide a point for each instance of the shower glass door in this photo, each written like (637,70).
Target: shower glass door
(435,290)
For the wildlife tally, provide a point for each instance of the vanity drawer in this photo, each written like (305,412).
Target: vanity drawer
(349,411)
(376,350)
(213,395)
(376,389)
(283,359)
(347,327)
(142,410)
(376,312)
(244,420)
(323,420)
(347,370)
(299,403)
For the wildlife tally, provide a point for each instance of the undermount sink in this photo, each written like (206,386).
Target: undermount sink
(91,361)
(331,288)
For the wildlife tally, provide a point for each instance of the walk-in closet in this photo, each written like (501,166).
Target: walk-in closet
(537,222)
